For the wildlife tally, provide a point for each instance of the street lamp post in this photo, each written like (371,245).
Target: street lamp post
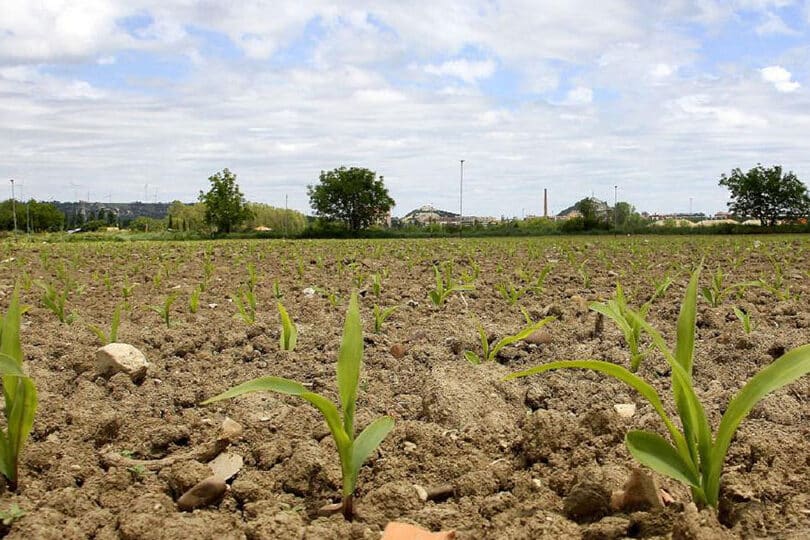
(615,207)
(461,200)
(13,206)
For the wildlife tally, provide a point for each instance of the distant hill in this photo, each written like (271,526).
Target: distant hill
(114,213)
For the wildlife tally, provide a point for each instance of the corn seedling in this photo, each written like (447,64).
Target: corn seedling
(112,337)
(694,457)
(245,301)
(19,392)
(380,315)
(620,313)
(165,310)
(55,301)
(509,292)
(352,451)
(253,278)
(717,292)
(194,299)
(277,294)
(127,288)
(289,333)
(583,274)
(490,352)
(445,286)
(376,284)
(745,319)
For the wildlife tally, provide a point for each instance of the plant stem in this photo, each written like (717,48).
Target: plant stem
(348,507)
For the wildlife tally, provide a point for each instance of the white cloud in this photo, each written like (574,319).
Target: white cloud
(780,78)
(468,71)
(772,24)
(579,95)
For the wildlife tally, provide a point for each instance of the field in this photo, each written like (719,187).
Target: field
(497,459)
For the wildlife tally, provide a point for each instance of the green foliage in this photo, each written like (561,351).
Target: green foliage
(627,320)
(380,316)
(38,216)
(716,292)
(19,392)
(112,337)
(55,300)
(277,294)
(376,284)
(353,196)
(352,451)
(693,457)
(278,220)
(289,332)
(510,292)
(245,300)
(745,319)
(225,206)
(766,194)
(194,299)
(489,353)
(11,515)
(446,285)
(165,310)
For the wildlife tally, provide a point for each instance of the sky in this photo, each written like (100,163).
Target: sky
(126,100)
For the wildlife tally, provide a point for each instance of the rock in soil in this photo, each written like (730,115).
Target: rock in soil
(587,502)
(121,357)
(202,494)
(640,493)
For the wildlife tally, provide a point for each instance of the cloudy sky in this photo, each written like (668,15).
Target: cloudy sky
(144,99)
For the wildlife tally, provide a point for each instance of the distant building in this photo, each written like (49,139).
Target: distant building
(427,214)
(572,211)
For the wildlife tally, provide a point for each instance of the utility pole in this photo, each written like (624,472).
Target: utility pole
(285,214)
(13,206)
(615,207)
(461,200)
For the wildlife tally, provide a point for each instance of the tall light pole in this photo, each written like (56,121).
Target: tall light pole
(13,206)
(615,207)
(461,200)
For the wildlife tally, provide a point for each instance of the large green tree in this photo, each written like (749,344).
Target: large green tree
(225,206)
(38,215)
(766,194)
(354,196)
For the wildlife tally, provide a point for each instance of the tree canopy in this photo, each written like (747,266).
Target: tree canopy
(36,215)
(225,206)
(766,194)
(354,196)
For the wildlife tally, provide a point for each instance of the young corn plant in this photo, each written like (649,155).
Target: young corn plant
(194,299)
(289,333)
(19,392)
(112,337)
(277,294)
(694,456)
(245,301)
(55,301)
(509,292)
(716,292)
(490,352)
(376,284)
(620,313)
(352,450)
(445,286)
(380,316)
(745,319)
(165,310)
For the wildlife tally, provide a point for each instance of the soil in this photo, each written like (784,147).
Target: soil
(504,459)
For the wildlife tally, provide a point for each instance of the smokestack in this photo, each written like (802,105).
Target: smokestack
(545,202)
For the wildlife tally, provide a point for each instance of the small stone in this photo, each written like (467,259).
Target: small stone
(121,357)
(309,292)
(413,303)
(230,430)
(398,350)
(640,494)
(202,494)
(539,337)
(226,466)
(212,306)
(625,410)
(421,492)
(408,446)
(579,304)
(587,502)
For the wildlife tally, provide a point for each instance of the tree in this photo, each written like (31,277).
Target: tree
(594,213)
(766,194)
(354,196)
(225,206)
(279,220)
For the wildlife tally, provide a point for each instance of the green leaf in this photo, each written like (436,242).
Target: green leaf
(523,334)
(685,346)
(472,358)
(658,454)
(9,367)
(350,359)
(21,419)
(365,443)
(262,384)
(10,345)
(616,372)
(783,371)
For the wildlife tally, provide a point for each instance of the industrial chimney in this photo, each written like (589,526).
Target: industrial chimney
(545,202)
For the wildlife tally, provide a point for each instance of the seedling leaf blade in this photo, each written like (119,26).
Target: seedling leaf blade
(472,358)
(368,441)
(658,454)
(783,371)
(348,366)
(262,384)
(10,345)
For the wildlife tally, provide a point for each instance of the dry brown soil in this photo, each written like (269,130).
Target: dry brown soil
(508,455)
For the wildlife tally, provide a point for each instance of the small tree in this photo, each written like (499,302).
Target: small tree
(354,196)
(225,206)
(766,194)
